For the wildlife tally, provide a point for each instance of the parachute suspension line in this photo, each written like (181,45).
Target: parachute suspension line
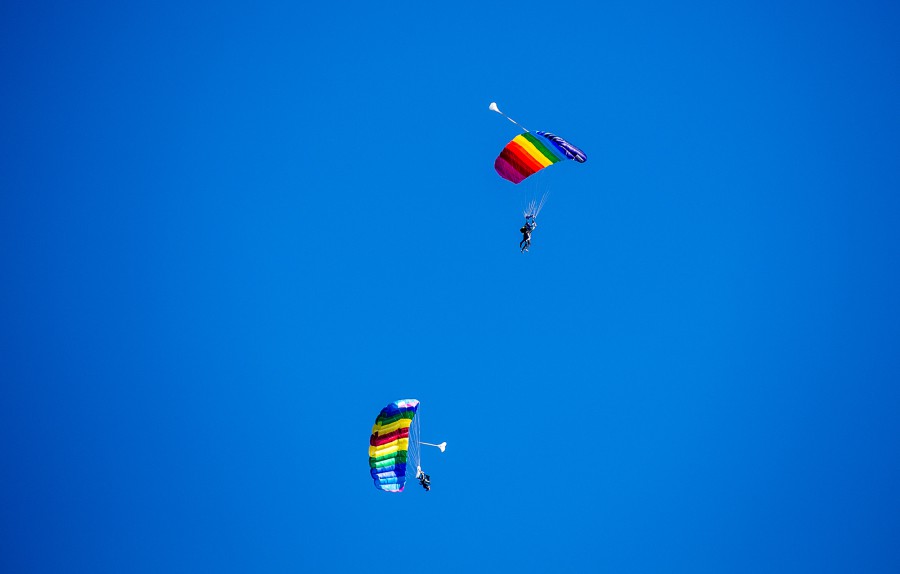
(414,448)
(541,204)
(493,107)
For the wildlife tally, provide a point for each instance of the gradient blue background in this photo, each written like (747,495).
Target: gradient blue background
(232,232)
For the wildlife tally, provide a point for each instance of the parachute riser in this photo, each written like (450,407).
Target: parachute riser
(534,207)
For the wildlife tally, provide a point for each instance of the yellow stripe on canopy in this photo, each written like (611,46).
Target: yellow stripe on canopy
(532,151)
(391,447)
(383,430)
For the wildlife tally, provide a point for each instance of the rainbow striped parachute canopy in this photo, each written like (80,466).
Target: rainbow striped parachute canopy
(389,445)
(529,153)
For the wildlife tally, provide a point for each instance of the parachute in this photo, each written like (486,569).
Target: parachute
(529,153)
(395,446)
(389,445)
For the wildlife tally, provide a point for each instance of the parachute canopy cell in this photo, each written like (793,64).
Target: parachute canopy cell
(529,153)
(389,445)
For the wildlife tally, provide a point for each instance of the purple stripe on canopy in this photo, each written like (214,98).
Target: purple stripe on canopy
(507,171)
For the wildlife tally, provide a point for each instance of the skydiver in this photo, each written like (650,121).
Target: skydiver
(530,225)
(424,480)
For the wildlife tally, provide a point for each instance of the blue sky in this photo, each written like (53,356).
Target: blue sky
(232,232)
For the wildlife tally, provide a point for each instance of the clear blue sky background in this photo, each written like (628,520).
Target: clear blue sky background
(232,232)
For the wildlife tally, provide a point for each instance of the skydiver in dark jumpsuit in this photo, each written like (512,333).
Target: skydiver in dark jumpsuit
(530,225)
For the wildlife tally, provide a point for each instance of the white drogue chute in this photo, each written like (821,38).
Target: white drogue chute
(441,446)
(493,107)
